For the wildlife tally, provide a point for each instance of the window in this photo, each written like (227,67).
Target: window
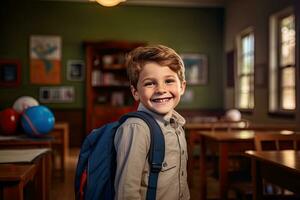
(282,88)
(245,70)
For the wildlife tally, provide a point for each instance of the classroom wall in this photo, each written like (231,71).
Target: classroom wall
(255,13)
(188,30)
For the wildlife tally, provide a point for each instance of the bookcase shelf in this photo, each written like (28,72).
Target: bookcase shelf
(108,94)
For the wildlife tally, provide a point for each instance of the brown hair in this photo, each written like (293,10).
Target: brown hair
(162,55)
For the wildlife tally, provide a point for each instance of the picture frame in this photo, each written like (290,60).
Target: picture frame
(75,70)
(196,68)
(63,94)
(45,52)
(10,73)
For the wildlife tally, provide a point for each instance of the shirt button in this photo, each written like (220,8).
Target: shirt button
(182,173)
(182,152)
(165,164)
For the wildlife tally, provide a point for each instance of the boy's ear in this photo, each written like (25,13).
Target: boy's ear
(134,93)
(183,86)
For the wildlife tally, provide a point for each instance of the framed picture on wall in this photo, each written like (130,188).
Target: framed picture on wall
(45,59)
(75,70)
(10,73)
(196,69)
(60,94)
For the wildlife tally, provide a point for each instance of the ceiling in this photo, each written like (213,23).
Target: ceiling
(170,3)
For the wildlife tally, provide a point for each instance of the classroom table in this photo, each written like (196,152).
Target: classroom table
(13,179)
(227,142)
(17,167)
(57,140)
(193,126)
(279,167)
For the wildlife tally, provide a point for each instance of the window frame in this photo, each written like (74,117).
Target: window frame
(275,70)
(251,74)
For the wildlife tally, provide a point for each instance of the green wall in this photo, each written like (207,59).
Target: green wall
(187,30)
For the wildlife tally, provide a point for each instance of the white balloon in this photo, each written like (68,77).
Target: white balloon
(233,115)
(24,102)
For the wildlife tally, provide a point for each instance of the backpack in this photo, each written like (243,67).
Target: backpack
(96,167)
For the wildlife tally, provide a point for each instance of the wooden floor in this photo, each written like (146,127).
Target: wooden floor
(63,189)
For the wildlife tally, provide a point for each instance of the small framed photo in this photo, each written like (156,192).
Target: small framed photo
(75,70)
(196,69)
(63,94)
(10,73)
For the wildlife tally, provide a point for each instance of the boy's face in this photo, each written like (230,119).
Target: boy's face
(158,89)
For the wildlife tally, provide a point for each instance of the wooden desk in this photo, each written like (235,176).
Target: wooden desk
(279,167)
(194,126)
(45,164)
(227,141)
(60,144)
(13,179)
(58,140)
(23,165)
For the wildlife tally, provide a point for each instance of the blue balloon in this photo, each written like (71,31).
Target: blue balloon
(37,121)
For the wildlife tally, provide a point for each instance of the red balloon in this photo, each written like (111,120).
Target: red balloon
(9,119)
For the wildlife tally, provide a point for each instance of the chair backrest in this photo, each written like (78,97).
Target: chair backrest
(277,141)
(230,125)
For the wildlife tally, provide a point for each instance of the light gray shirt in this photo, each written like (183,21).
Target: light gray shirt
(132,142)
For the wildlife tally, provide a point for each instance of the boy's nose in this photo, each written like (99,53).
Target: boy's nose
(161,88)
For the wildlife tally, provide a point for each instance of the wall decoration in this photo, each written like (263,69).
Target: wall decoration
(10,73)
(230,63)
(63,94)
(45,59)
(196,69)
(75,70)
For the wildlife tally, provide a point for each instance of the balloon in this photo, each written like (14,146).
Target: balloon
(9,119)
(233,115)
(37,121)
(24,102)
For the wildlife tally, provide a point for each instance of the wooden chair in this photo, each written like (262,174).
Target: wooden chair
(264,141)
(274,141)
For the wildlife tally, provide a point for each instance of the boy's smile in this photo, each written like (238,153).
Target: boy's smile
(158,88)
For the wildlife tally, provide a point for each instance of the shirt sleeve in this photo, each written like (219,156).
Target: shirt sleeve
(132,143)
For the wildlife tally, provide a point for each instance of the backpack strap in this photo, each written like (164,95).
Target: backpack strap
(156,151)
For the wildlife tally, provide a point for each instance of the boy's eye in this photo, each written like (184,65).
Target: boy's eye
(149,84)
(168,81)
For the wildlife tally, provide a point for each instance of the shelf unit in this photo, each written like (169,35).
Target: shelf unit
(108,94)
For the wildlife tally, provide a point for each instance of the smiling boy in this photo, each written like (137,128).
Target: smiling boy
(157,81)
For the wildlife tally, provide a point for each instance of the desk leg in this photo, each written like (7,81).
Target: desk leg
(203,178)
(223,170)
(43,178)
(48,173)
(257,180)
(62,161)
(13,192)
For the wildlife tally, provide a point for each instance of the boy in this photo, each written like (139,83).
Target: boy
(157,81)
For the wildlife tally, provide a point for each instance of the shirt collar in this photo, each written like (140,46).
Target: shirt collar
(163,119)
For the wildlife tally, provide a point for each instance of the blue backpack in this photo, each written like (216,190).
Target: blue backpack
(96,167)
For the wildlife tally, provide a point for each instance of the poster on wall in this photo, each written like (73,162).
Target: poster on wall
(45,59)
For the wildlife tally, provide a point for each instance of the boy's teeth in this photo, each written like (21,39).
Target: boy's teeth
(161,100)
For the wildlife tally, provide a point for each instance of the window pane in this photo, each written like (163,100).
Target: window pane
(246,69)
(245,93)
(244,100)
(288,77)
(288,101)
(287,31)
